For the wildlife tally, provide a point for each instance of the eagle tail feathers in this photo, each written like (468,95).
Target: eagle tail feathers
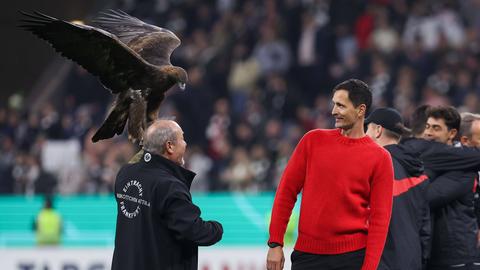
(115,122)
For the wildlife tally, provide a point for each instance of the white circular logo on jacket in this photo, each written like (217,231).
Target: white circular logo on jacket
(131,199)
(147,157)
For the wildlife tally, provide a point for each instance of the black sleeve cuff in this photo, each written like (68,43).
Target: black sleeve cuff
(273,245)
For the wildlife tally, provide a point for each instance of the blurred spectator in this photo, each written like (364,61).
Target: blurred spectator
(243,135)
(380,81)
(275,96)
(242,78)
(285,149)
(272,135)
(272,53)
(27,131)
(217,129)
(46,182)
(260,167)
(32,178)
(364,27)
(195,105)
(25,172)
(7,162)
(239,174)
(384,37)
(404,91)
(221,159)
(48,225)
(197,161)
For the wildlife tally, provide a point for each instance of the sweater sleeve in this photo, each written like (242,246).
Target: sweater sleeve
(381,189)
(290,185)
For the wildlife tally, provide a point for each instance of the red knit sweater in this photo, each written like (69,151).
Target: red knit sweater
(346,189)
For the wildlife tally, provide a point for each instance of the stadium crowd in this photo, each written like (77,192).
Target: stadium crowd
(260,76)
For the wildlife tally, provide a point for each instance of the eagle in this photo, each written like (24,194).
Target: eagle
(130,57)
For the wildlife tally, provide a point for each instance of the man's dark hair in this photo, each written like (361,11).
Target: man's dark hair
(448,113)
(418,120)
(358,92)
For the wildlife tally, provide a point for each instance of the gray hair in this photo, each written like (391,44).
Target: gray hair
(156,137)
(466,124)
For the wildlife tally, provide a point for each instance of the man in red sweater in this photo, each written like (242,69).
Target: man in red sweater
(346,181)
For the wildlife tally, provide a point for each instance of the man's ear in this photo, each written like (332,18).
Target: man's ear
(464,140)
(452,133)
(169,147)
(378,131)
(362,110)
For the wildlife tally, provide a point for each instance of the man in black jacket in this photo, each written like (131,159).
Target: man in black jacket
(438,157)
(158,226)
(451,198)
(447,164)
(408,236)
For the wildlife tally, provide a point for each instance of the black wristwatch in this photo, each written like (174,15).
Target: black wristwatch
(274,245)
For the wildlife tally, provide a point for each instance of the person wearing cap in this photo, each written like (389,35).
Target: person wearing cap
(346,182)
(408,238)
(158,226)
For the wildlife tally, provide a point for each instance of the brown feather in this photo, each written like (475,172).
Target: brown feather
(124,53)
(137,120)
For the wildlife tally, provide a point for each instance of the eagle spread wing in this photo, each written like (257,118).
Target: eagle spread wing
(154,44)
(130,57)
(101,53)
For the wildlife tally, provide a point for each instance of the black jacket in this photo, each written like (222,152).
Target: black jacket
(158,226)
(408,238)
(452,172)
(451,198)
(440,158)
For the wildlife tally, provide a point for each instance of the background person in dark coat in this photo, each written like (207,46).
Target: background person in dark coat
(158,226)
(451,198)
(407,245)
(438,157)
(445,163)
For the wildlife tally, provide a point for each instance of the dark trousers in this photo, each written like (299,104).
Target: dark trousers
(345,261)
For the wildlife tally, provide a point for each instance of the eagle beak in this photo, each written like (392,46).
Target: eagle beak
(182,86)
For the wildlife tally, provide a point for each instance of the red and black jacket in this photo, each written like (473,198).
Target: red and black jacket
(407,245)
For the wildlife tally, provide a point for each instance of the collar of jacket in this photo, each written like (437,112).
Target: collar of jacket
(176,170)
(410,161)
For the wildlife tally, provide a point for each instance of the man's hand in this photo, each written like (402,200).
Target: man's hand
(275,258)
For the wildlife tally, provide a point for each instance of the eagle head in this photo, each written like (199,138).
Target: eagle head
(180,76)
